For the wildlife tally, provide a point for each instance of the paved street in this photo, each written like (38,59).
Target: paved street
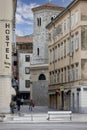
(39,115)
(45,126)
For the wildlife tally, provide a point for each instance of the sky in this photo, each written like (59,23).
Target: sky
(24,15)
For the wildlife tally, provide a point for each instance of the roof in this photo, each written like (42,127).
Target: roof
(24,39)
(48,6)
(63,12)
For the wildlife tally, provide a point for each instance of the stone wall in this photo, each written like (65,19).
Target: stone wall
(40,93)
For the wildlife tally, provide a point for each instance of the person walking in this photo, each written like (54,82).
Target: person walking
(31,105)
(12,106)
(18,103)
(22,101)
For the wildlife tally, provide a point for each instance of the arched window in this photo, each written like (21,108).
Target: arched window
(42,77)
(38,21)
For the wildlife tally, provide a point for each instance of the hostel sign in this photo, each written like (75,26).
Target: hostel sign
(7,45)
(7,38)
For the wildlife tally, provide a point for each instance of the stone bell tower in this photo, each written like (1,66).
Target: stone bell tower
(39,65)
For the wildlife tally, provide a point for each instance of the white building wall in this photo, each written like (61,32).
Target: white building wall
(21,68)
(6,20)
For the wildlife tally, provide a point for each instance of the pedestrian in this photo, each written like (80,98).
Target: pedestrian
(12,106)
(22,101)
(18,103)
(31,105)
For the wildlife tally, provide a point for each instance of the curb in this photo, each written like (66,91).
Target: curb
(45,122)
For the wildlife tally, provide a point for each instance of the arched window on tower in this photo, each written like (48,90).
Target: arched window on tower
(39,21)
(42,77)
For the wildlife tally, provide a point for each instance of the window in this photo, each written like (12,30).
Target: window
(15,63)
(61,75)
(64,26)
(27,83)
(53,55)
(38,51)
(49,37)
(61,50)
(76,17)
(39,21)
(65,74)
(76,42)
(24,47)
(64,48)
(77,71)
(27,58)
(54,76)
(50,77)
(68,73)
(53,17)
(72,73)
(58,52)
(67,46)
(72,44)
(68,24)
(27,70)
(72,20)
(58,76)
(50,56)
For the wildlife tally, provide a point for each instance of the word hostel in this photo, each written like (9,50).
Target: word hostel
(7,33)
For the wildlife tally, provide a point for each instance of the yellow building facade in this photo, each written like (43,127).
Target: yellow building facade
(68,58)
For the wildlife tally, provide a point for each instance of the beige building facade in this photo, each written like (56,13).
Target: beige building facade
(7,23)
(68,58)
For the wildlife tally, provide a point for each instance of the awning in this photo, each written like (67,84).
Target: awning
(13,91)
